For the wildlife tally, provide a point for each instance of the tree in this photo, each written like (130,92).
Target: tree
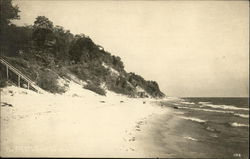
(8,12)
(43,32)
(117,63)
(18,39)
(43,22)
(82,48)
(63,40)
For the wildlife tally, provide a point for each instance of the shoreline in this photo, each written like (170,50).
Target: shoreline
(182,134)
(73,124)
(84,124)
(152,139)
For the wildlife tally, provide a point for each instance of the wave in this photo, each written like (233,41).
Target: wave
(190,138)
(230,107)
(234,124)
(193,119)
(208,110)
(218,111)
(204,103)
(187,103)
(242,115)
(176,104)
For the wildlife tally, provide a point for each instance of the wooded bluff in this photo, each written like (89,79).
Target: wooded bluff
(45,53)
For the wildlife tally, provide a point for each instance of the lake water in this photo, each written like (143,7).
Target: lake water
(206,127)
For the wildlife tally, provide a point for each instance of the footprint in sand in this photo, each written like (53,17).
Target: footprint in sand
(132,149)
(140,122)
(137,128)
(132,139)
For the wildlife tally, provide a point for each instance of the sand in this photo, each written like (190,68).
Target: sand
(78,123)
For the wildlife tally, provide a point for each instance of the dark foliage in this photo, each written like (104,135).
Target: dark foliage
(8,12)
(48,81)
(44,51)
(95,89)
(151,87)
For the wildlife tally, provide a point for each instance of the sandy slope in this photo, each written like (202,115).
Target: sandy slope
(78,123)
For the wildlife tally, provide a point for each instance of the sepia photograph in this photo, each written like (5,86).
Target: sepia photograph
(124,78)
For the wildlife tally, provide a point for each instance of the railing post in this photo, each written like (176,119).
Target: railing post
(18,80)
(20,75)
(7,72)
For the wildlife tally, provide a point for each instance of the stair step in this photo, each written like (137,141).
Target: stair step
(21,75)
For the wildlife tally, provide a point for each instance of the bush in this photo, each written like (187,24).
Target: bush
(48,81)
(63,72)
(120,85)
(153,89)
(95,89)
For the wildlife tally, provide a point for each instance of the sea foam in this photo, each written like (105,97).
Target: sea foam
(193,119)
(234,124)
(176,104)
(208,110)
(187,102)
(230,107)
(204,103)
(242,115)
(190,138)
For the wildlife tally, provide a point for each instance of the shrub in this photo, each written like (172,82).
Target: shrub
(120,85)
(153,89)
(48,81)
(63,72)
(95,89)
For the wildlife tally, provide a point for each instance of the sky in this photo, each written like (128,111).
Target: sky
(191,48)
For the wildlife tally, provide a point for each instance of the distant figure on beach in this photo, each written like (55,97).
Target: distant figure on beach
(144,102)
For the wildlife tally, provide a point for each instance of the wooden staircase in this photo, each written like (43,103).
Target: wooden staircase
(30,84)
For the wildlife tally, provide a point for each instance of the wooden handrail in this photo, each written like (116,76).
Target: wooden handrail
(16,71)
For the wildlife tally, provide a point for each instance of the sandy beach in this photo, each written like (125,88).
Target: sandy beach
(78,123)
(124,79)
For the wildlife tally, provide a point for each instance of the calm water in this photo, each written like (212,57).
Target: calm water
(207,127)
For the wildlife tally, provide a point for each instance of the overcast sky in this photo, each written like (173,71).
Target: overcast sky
(191,48)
